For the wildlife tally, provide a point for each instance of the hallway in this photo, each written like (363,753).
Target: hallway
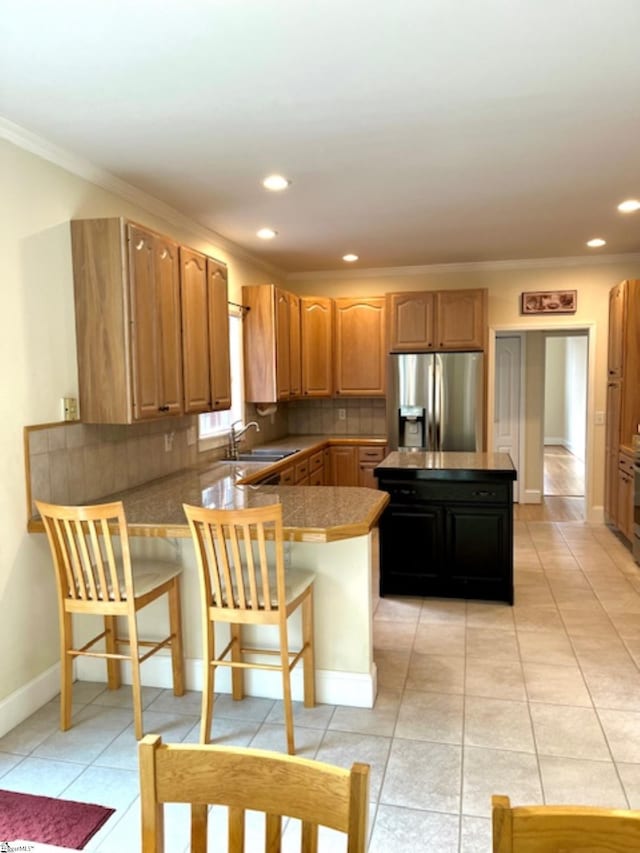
(563,472)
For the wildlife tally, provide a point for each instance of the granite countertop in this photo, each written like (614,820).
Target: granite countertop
(449,463)
(310,513)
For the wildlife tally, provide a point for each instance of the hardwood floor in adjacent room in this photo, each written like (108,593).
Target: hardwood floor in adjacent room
(563,472)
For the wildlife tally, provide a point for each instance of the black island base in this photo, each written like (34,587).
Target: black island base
(448,528)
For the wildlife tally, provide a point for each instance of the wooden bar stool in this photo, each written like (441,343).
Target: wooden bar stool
(239,586)
(93,580)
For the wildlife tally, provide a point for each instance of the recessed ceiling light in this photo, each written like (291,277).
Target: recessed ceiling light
(275,183)
(596,243)
(266,233)
(349,258)
(629,206)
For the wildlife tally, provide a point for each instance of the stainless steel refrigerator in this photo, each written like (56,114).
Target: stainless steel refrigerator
(435,401)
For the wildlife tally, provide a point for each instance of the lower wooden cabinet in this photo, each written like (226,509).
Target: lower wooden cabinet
(344,465)
(368,458)
(625,495)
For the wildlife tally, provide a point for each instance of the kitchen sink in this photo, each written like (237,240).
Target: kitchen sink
(266,455)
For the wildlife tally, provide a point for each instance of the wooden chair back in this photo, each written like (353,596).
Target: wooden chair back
(563,829)
(279,785)
(88,569)
(232,555)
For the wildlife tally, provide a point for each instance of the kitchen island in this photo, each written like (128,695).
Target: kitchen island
(448,529)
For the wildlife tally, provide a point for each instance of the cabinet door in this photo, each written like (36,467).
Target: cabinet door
(478,551)
(411,551)
(316,318)
(259,342)
(145,326)
(359,347)
(625,501)
(154,281)
(295,356)
(283,354)
(167,273)
(612,443)
(617,318)
(219,360)
(460,319)
(344,466)
(411,318)
(195,326)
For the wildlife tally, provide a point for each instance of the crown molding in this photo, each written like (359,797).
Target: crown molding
(25,139)
(471,266)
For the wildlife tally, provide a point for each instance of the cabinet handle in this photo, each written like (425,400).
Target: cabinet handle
(484,494)
(163,408)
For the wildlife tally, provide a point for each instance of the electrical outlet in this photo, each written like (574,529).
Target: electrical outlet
(69,409)
(168,441)
(342,414)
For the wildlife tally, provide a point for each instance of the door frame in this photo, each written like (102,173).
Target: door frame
(592,513)
(523,352)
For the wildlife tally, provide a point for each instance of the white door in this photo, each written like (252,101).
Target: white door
(506,427)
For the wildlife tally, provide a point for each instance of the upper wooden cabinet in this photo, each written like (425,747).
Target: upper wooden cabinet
(359,349)
(295,352)
(205,333)
(316,324)
(629,366)
(219,356)
(437,320)
(461,319)
(617,318)
(267,344)
(128,326)
(411,318)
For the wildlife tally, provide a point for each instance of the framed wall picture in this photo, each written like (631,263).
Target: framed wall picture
(550,302)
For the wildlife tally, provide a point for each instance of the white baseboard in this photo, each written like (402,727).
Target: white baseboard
(355,689)
(557,441)
(531,496)
(27,699)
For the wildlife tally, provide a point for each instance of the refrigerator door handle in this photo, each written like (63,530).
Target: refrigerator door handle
(437,403)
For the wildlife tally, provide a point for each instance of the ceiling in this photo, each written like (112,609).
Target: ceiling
(414,132)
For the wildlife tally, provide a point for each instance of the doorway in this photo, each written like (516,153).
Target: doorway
(574,385)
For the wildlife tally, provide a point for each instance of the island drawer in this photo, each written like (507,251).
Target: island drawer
(479,492)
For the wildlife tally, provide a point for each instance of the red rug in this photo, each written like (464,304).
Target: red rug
(63,823)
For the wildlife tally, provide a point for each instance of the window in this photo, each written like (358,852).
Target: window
(214,425)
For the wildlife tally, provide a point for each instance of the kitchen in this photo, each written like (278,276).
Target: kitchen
(48,188)
(41,254)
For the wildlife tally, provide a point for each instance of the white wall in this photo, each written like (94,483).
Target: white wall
(555,388)
(576,395)
(37,353)
(565,393)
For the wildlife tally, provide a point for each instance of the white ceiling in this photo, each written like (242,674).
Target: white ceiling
(414,131)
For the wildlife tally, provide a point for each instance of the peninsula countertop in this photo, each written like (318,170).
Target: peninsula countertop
(310,513)
(448,465)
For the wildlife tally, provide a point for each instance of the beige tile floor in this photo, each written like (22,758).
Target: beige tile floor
(540,701)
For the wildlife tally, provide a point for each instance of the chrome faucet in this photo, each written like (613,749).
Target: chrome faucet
(236,434)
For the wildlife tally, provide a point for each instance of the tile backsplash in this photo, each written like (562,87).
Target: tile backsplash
(362,416)
(75,462)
